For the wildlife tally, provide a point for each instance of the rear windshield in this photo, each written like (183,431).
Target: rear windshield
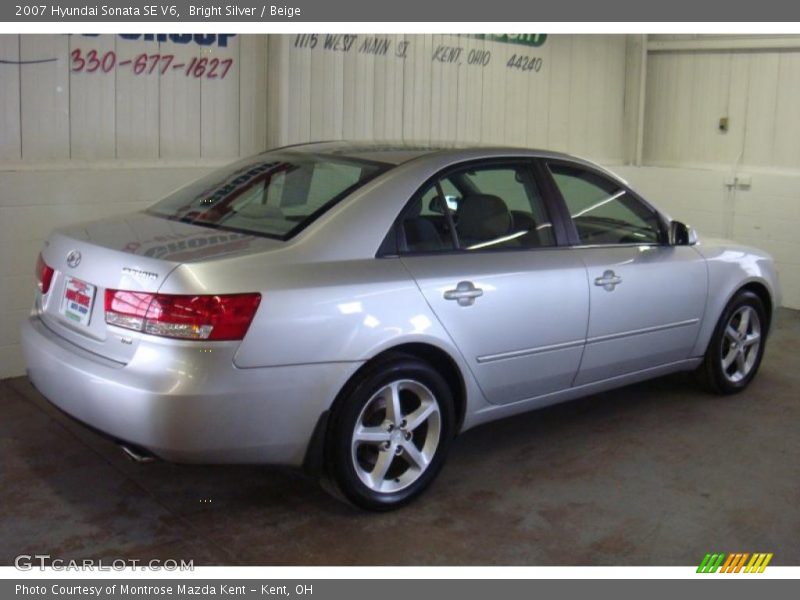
(275,195)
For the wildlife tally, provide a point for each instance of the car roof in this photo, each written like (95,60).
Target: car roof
(396,153)
(390,153)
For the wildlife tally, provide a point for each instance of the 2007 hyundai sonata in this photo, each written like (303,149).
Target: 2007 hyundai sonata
(351,308)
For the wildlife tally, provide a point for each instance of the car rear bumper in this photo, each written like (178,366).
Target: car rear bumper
(186,401)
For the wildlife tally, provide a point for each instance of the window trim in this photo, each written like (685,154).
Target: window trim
(394,243)
(575,240)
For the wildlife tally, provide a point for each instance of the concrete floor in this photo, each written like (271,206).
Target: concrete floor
(654,474)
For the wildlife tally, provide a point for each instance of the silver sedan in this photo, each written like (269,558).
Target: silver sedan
(352,307)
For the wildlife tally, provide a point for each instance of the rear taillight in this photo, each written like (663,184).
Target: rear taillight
(224,317)
(44,275)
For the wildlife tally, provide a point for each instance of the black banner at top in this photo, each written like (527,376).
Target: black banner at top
(254,11)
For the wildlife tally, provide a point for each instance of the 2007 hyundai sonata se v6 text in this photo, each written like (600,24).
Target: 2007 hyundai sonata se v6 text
(351,307)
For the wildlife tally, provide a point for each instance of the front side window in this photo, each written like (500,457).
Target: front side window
(275,195)
(603,211)
(476,208)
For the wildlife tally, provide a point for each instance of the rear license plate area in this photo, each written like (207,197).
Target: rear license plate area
(76,305)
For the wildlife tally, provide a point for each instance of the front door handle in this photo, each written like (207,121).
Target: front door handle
(608,281)
(465,293)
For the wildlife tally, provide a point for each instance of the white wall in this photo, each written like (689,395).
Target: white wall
(69,107)
(744,183)
(689,91)
(574,102)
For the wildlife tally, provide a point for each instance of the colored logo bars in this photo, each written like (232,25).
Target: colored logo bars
(734,563)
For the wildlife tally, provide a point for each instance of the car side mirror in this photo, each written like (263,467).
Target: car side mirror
(681,234)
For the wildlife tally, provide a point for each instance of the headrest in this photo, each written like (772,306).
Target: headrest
(483,217)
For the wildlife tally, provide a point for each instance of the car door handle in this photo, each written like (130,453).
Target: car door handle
(465,293)
(608,281)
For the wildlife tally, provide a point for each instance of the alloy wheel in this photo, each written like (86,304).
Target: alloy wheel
(396,436)
(740,344)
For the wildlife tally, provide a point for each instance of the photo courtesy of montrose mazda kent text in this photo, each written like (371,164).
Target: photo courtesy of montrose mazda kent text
(351,307)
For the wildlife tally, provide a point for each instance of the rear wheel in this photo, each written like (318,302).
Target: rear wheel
(737,345)
(389,433)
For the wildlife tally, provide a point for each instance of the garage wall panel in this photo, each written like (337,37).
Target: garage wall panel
(137,112)
(560,84)
(278,92)
(689,91)
(92,97)
(786,145)
(387,118)
(317,97)
(566,94)
(45,97)
(10,140)
(515,115)
(220,88)
(365,74)
(131,96)
(762,118)
(493,114)
(470,94)
(300,94)
(179,106)
(252,94)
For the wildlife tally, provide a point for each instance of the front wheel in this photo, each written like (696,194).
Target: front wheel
(736,347)
(389,433)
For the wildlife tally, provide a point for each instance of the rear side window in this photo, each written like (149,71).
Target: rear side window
(276,195)
(476,208)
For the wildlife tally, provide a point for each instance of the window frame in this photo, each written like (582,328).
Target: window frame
(394,243)
(566,217)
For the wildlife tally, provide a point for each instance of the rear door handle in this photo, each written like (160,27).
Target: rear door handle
(608,281)
(465,293)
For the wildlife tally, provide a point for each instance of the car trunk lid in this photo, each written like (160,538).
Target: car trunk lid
(135,252)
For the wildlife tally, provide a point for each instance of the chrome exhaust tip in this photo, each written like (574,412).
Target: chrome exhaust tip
(137,455)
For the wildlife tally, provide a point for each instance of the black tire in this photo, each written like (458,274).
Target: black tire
(711,373)
(340,456)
